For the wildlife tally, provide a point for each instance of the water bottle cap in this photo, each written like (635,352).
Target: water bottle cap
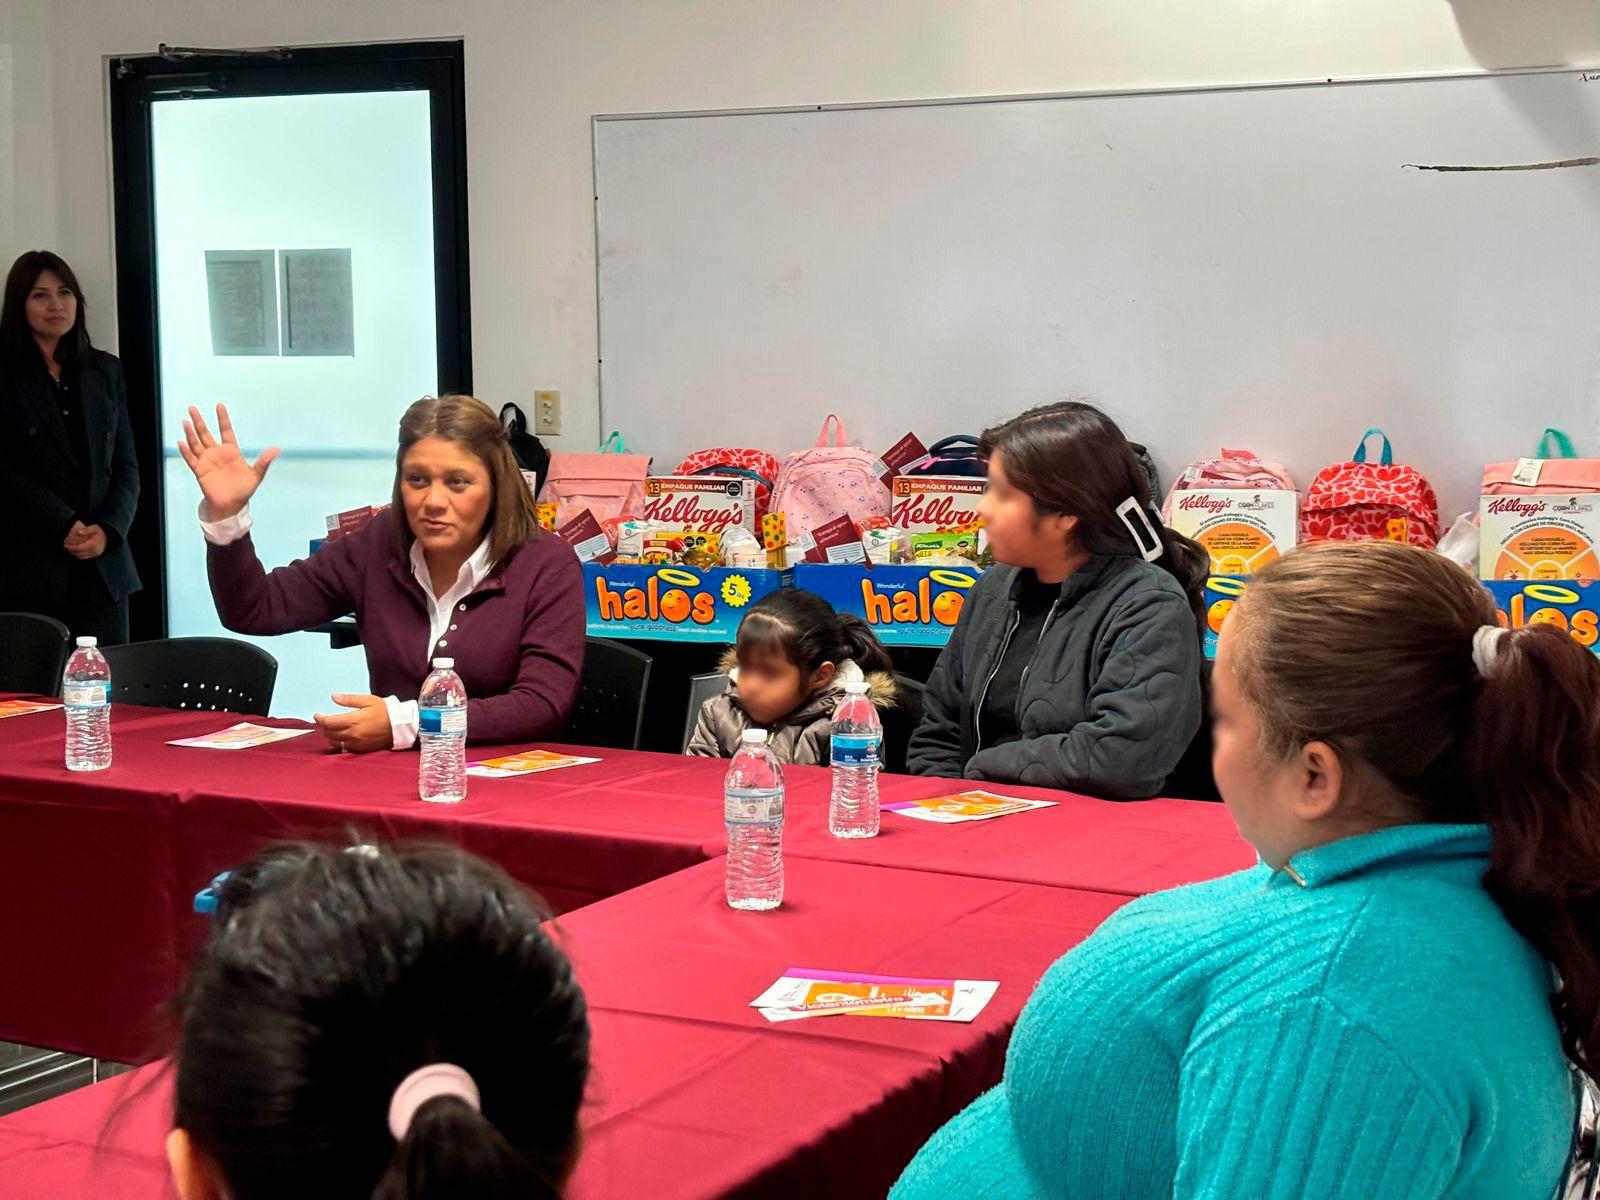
(85,643)
(856,689)
(444,664)
(754,736)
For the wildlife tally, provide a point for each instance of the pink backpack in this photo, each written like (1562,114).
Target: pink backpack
(827,482)
(609,484)
(736,463)
(1546,473)
(1358,501)
(1235,469)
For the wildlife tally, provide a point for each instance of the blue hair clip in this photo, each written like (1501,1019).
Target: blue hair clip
(205,900)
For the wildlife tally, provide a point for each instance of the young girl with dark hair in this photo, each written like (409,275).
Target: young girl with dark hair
(1076,661)
(786,674)
(1389,1003)
(378,1023)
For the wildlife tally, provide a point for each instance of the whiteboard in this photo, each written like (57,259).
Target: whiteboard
(1254,267)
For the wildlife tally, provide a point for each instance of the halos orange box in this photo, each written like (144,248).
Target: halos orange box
(1539,537)
(1242,531)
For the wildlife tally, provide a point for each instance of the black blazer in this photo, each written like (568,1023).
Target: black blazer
(41,478)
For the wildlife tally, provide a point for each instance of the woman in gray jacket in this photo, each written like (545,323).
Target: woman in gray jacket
(1076,661)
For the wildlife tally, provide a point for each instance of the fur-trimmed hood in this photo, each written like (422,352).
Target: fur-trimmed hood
(881,687)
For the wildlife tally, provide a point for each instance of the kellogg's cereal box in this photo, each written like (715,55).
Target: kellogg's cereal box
(1539,537)
(700,502)
(935,503)
(1242,531)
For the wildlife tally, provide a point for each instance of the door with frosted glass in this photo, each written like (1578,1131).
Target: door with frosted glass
(297,269)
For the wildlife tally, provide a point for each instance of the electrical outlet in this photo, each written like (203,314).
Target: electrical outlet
(547,413)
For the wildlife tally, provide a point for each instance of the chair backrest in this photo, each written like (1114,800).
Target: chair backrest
(701,689)
(901,721)
(33,653)
(1191,779)
(610,707)
(206,673)
(1582,1180)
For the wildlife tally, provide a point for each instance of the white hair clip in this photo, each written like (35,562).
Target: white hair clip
(1155,549)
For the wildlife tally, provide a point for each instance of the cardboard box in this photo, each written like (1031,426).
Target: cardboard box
(936,503)
(1539,537)
(1242,530)
(703,502)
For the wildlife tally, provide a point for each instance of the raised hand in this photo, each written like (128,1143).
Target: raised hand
(227,479)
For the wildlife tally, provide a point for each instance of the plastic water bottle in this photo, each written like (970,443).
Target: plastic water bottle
(856,754)
(752,807)
(86,693)
(442,713)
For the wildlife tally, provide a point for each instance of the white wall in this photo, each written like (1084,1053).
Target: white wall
(27,150)
(538,69)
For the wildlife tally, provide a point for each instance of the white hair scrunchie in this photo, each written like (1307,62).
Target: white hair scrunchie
(1486,648)
(425,1084)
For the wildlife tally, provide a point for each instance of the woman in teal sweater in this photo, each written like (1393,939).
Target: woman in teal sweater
(1371,1012)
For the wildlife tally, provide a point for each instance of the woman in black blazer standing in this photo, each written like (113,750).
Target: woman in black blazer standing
(69,482)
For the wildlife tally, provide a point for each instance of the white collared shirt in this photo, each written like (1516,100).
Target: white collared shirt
(404,720)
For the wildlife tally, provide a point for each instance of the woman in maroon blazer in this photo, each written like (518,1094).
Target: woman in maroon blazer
(455,567)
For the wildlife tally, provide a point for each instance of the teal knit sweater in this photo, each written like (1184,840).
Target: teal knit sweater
(1377,1030)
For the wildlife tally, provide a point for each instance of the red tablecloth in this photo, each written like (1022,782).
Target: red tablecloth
(1130,849)
(833,1105)
(97,872)
(575,835)
(686,1073)
(88,890)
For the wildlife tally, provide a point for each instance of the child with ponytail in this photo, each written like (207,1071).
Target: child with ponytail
(1393,1002)
(377,1023)
(786,674)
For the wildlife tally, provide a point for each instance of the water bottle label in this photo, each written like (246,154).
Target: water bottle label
(753,807)
(444,720)
(856,750)
(86,695)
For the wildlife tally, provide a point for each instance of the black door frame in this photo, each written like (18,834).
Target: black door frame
(138,83)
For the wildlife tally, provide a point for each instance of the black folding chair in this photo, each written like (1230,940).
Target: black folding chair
(33,653)
(611,691)
(205,673)
(701,689)
(900,722)
(1191,779)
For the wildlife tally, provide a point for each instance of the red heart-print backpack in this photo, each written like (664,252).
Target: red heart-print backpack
(739,463)
(1360,501)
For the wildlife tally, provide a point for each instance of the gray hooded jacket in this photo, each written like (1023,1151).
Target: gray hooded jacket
(1111,698)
